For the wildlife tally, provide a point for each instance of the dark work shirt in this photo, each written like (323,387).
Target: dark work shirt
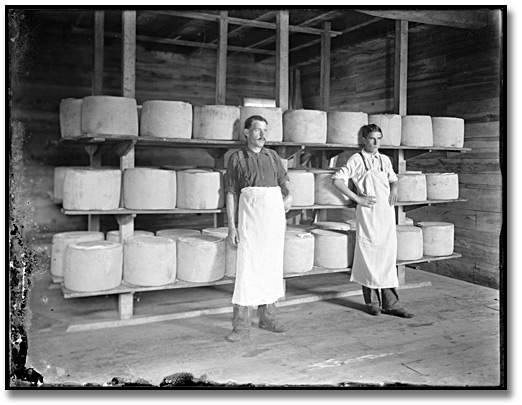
(260,171)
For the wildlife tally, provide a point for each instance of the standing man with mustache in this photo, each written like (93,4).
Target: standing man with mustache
(257,196)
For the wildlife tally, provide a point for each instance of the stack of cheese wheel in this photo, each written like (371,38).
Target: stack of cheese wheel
(71,118)
(302,187)
(412,186)
(114,236)
(273,115)
(391,127)
(304,126)
(93,266)
(61,241)
(448,132)
(417,130)
(149,261)
(58,178)
(442,186)
(149,189)
(109,115)
(298,254)
(325,193)
(345,127)
(216,122)
(200,189)
(437,238)
(201,258)
(166,119)
(91,189)
(331,249)
(230,249)
(409,242)
(176,233)
(345,228)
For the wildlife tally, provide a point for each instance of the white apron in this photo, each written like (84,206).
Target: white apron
(261,227)
(374,263)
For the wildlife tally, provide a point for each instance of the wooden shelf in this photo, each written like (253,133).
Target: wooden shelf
(429,259)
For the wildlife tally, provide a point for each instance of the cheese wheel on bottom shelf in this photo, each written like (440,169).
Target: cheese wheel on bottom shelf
(176,233)
(348,228)
(298,254)
(230,249)
(91,189)
(331,249)
(437,238)
(93,266)
(201,258)
(409,242)
(110,115)
(114,236)
(442,186)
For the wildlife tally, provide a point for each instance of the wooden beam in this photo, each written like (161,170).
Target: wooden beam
(97,78)
(401,68)
(282,71)
(129,53)
(234,32)
(325,68)
(221,72)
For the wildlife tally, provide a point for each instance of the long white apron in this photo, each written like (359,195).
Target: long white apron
(261,227)
(374,263)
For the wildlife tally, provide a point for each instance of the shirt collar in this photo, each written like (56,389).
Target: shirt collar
(263,151)
(369,155)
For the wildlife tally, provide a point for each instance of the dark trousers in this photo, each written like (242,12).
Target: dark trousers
(387,299)
(242,316)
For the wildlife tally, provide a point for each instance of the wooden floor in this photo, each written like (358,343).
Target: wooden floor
(453,341)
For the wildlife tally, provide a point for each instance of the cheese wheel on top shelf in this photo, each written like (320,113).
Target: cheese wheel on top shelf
(391,126)
(71,118)
(201,258)
(417,130)
(166,119)
(412,186)
(114,236)
(110,115)
(200,189)
(442,186)
(448,132)
(304,126)
(345,127)
(274,116)
(91,189)
(149,189)
(216,122)
(230,249)
(437,238)
(409,242)
(298,254)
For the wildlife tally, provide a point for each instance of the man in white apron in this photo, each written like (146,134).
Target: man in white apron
(374,265)
(258,195)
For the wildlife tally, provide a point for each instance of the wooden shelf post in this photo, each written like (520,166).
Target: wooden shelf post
(221,73)
(282,50)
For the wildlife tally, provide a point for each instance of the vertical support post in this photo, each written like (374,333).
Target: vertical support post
(97,79)
(325,67)
(221,73)
(125,305)
(282,50)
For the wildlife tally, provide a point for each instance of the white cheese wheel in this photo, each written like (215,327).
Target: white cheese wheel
(201,258)
(176,233)
(417,130)
(60,242)
(442,186)
(409,242)
(304,126)
(216,122)
(325,193)
(166,119)
(114,236)
(437,238)
(58,178)
(149,261)
(298,254)
(91,189)
(230,249)
(336,226)
(93,266)
(302,187)
(345,127)
(391,127)
(200,189)
(71,117)
(149,189)
(412,186)
(448,132)
(331,249)
(348,228)
(109,115)
(273,115)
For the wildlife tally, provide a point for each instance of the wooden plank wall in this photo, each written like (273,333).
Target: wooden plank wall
(454,73)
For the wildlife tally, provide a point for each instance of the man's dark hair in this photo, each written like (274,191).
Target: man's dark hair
(248,122)
(368,129)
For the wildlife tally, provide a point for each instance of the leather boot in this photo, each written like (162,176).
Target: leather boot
(268,321)
(241,322)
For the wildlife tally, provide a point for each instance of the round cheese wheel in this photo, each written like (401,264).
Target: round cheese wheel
(149,189)
(448,132)
(114,236)
(325,193)
(336,226)
(442,186)
(110,115)
(412,186)
(149,261)
(391,126)
(348,228)
(345,127)
(176,233)
(216,122)
(298,256)
(417,130)
(409,242)
(302,184)
(331,249)
(273,115)
(58,178)
(71,117)
(166,119)
(201,258)
(91,189)
(437,238)
(200,189)
(230,249)
(93,266)
(60,242)
(304,126)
